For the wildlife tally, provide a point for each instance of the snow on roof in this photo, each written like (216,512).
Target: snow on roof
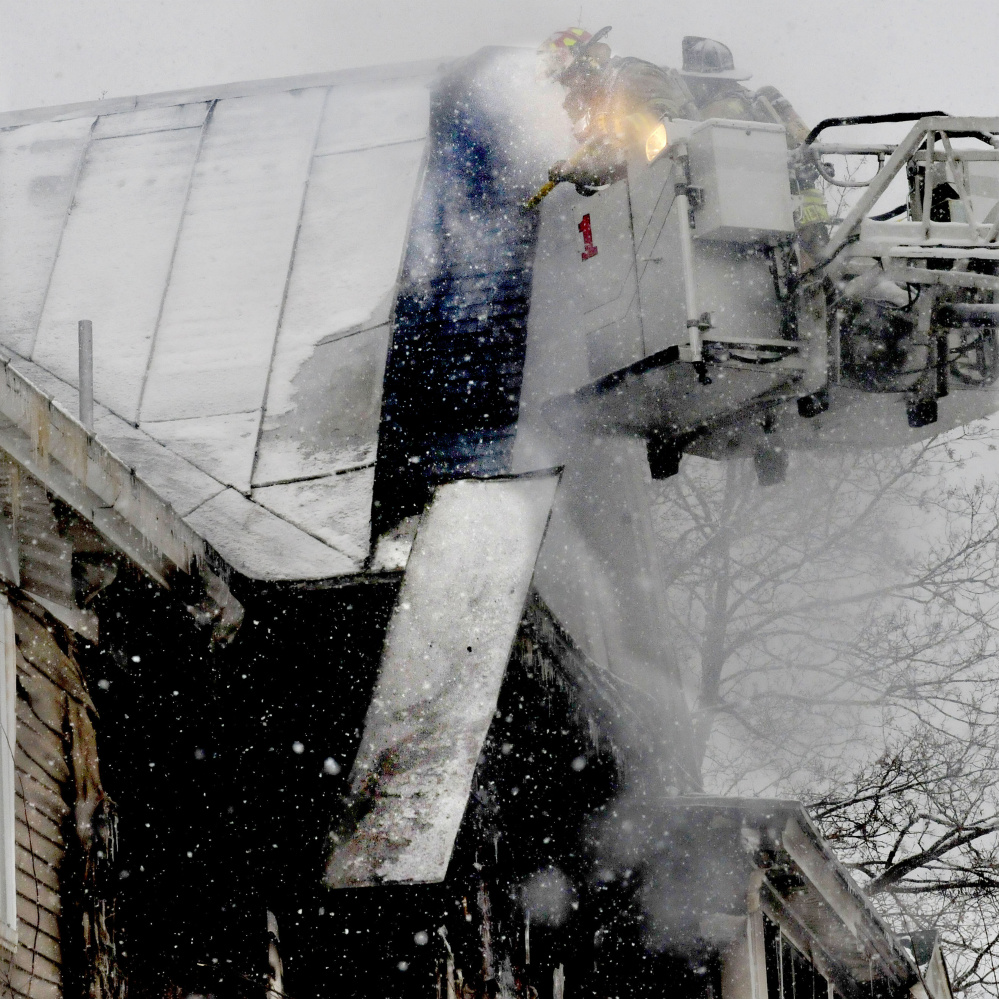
(237,250)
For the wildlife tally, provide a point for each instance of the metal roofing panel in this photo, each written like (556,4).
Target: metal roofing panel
(323,401)
(114,260)
(173,479)
(348,254)
(216,336)
(333,422)
(336,509)
(223,291)
(361,115)
(446,651)
(38,167)
(424,71)
(222,445)
(151,120)
(261,545)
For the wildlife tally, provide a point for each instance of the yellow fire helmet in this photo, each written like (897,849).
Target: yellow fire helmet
(560,51)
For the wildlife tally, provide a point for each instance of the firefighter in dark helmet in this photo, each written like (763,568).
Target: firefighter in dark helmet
(714,80)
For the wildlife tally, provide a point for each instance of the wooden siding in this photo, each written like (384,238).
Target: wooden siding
(44,789)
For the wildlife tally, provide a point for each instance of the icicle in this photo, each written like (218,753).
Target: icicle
(558,982)
(275,969)
(452,993)
(506,982)
(488,972)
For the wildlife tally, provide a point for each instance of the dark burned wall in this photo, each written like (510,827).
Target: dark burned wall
(216,758)
(531,898)
(454,371)
(218,762)
(229,767)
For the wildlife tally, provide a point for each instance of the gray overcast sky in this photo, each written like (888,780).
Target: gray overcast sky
(846,56)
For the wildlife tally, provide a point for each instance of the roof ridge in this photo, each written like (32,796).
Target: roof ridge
(244,88)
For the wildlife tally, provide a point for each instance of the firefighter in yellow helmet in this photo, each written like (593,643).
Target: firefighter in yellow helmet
(716,84)
(614,103)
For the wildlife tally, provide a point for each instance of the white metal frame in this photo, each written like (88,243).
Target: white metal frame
(900,242)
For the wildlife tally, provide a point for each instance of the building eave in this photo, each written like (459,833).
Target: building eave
(74,466)
(822,870)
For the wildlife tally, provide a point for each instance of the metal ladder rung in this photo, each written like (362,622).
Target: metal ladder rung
(943,252)
(751,341)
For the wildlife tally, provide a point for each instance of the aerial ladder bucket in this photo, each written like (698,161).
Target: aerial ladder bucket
(708,329)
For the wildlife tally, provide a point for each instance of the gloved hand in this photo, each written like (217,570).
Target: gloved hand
(587,173)
(557,173)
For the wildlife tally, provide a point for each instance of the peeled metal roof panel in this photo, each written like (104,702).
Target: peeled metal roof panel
(114,260)
(446,652)
(38,167)
(215,339)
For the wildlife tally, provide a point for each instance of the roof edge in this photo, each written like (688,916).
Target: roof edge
(792,810)
(246,88)
(41,436)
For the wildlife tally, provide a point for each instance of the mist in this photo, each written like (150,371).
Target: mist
(830,634)
(848,58)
